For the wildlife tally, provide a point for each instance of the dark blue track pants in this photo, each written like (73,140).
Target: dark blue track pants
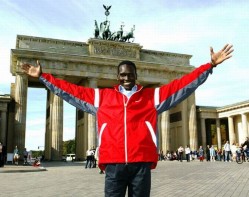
(134,176)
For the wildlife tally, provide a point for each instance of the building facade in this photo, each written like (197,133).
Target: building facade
(216,125)
(6,124)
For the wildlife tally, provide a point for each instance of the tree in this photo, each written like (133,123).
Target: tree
(38,153)
(68,147)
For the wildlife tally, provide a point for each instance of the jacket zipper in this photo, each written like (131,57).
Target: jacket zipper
(125,125)
(125,132)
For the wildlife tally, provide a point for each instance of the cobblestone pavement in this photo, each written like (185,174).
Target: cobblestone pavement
(170,178)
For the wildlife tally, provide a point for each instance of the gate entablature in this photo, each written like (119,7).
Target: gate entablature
(96,59)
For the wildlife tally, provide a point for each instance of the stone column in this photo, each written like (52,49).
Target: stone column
(20,110)
(231,130)
(159,133)
(218,132)
(80,136)
(92,137)
(3,127)
(185,128)
(193,138)
(244,127)
(203,133)
(56,121)
(48,144)
(165,131)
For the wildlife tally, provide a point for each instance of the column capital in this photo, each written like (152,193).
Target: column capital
(22,74)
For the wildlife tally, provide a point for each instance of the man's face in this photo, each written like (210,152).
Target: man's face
(127,76)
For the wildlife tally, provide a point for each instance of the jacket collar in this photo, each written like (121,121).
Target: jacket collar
(139,87)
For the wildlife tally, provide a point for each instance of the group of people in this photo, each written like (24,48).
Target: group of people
(17,154)
(227,153)
(170,156)
(181,153)
(92,158)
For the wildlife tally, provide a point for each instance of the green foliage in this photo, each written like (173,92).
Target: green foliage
(36,153)
(69,147)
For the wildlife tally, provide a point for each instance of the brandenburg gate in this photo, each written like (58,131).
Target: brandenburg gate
(94,64)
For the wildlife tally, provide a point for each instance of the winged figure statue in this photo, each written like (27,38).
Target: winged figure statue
(107,8)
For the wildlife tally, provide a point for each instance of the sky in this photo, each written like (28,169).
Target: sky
(180,26)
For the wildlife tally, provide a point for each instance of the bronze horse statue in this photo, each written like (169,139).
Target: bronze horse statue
(116,36)
(96,30)
(129,35)
(105,32)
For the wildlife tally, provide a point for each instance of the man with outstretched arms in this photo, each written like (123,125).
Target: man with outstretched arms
(127,119)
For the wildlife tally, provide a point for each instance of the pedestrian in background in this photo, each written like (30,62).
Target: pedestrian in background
(89,158)
(208,153)
(201,154)
(187,153)
(180,153)
(1,155)
(16,155)
(227,151)
(25,157)
(212,153)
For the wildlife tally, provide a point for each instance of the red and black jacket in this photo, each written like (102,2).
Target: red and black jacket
(127,128)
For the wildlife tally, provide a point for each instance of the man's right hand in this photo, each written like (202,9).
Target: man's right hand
(33,71)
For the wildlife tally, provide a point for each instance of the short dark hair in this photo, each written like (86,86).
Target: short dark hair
(127,62)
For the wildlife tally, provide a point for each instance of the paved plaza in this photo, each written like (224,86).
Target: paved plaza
(170,178)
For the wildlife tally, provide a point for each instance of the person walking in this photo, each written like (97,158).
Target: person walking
(1,155)
(212,153)
(233,151)
(246,144)
(208,153)
(219,154)
(25,157)
(187,153)
(127,119)
(180,153)
(201,154)
(89,160)
(227,151)
(16,155)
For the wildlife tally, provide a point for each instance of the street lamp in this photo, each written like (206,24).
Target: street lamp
(42,156)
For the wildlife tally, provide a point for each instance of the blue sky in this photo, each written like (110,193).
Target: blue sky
(188,27)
